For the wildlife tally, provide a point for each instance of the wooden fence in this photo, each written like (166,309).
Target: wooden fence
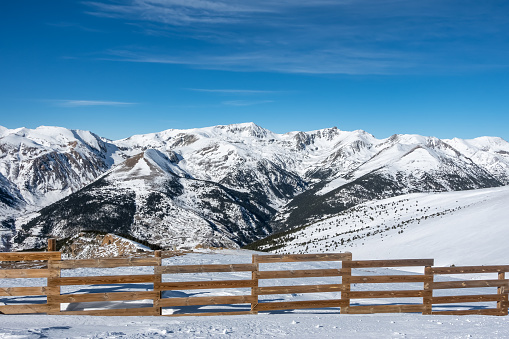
(420,287)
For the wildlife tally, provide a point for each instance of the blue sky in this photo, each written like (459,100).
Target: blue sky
(123,67)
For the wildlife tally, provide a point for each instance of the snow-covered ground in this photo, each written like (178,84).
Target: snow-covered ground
(293,325)
(312,323)
(454,228)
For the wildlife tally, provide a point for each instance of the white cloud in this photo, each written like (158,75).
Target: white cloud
(315,37)
(233,91)
(245,102)
(80,103)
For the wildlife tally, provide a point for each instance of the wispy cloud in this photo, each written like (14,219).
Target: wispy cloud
(233,91)
(339,61)
(81,103)
(316,37)
(245,102)
(73,25)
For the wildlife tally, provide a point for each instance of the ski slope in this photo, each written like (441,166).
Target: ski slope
(454,228)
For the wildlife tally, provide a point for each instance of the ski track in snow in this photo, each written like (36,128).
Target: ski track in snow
(313,323)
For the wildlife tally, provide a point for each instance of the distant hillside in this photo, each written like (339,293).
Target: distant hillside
(455,228)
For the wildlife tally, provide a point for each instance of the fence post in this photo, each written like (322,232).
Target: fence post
(52,245)
(427,295)
(53,286)
(502,305)
(346,282)
(254,288)
(157,282)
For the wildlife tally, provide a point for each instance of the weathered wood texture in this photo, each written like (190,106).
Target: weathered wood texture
(428,292)
(150,311)
(200,285)
(24,273)
(388,263)
(205,268)
(192,301)
(384,309)
(299,289)
(343,272)
(469,284)
(106,263)
(113,296)
(29,256)
(22,291)
(103,280)
(385,294)
(276,258)
(24,309)
(288,305)
(501,298)
(254,278)
(470,269)
(299,274)
(386,279)
(158,279)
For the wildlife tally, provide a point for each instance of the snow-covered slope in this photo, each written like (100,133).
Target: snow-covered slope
(269,181)
(455,228)
(143,197)
(47,163)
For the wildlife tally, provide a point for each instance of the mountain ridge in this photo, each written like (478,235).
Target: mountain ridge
(268,181)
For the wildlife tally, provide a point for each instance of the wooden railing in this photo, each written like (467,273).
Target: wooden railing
(350,283)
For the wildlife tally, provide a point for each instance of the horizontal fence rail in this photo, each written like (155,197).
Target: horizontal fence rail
(43,291)
(500,298)
(351,282)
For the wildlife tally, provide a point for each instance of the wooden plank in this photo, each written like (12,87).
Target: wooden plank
(103,280)
(299,289)
(291,305)
(503,291)
(466,298)
(116,312)
(53,288)
(225,300)
(346,280)
(386,279)
(158,279)
(254,278)
(469,284)
(300,273)
(275,258)
(470,269)
(428,292)
(388,263)
(113,296)
(22,291)
(384,309)
(28,256)
(385,294)
(205,268)
(486,311)
(105,263)
(52,244)
(197,285)
(209,314)
(24,273)
(24,309)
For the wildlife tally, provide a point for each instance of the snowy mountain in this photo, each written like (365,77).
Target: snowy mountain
(455,228)
(221,185)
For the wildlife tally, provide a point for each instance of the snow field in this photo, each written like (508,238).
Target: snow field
(310,323)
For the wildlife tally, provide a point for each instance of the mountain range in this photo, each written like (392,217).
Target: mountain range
(219,186)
